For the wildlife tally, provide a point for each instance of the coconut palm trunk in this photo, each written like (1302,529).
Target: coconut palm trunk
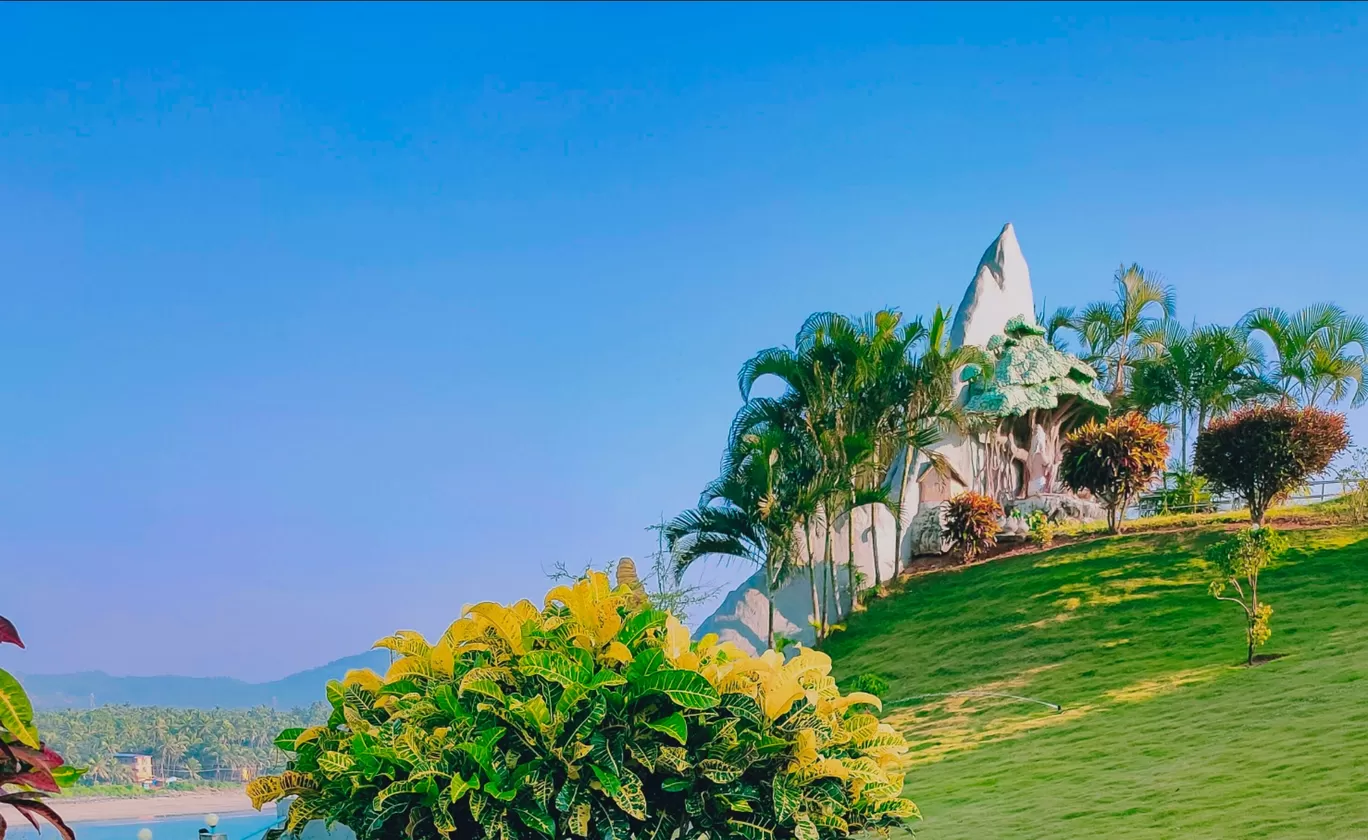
(1183,432)
(812,581)
(850,556)
(898,527)
(834,604)
(874,545)
(769,596)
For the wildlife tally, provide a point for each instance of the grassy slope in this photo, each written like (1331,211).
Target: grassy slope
(1162,733)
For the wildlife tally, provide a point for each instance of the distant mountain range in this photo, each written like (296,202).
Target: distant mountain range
(62,691)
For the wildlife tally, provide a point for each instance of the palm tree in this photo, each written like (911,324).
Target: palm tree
(101,767)
(1321,352)
(884,377)
(810,511)
(171,750)
(817,376)
(1230,372)
(847,353)
(1063,318)
(1118,333)
(1199,375)
(928,408)
(803,487)
(742,514)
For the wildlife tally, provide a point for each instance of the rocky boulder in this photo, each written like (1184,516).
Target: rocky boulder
(926,532)
(1059,507)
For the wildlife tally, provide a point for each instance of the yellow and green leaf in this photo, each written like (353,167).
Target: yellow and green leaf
(16,711)
(265,789)
(687,689)
(752,828)
(674,726)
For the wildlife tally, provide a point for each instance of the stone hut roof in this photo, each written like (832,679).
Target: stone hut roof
(1028,373)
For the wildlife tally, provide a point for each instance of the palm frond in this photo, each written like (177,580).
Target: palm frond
(779,362)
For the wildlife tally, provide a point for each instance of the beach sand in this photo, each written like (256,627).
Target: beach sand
(169,804)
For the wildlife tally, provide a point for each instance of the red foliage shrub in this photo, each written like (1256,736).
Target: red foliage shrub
(1264,452)
(971,524)
(1115,460)
(26,763)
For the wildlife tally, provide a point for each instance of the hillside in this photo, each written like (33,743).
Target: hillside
(60,691)
(1162,732)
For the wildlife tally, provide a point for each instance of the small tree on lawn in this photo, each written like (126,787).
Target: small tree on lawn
(1263,453)
(1115,460)
(1354,477)
(1236,563)
(971,524)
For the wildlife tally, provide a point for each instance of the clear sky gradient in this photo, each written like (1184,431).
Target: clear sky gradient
(322,320)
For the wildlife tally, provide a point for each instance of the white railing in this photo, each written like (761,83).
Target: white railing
(1312,492)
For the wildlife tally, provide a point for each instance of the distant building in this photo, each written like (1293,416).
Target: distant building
(140,765)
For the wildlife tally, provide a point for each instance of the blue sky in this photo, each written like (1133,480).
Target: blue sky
(323,320)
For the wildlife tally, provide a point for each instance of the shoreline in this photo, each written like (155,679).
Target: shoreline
(156,806)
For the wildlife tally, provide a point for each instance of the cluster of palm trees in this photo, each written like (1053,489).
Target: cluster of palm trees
(861,396)
(186,743)
(1188,376)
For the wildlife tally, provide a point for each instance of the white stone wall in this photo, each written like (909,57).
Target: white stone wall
(744,614)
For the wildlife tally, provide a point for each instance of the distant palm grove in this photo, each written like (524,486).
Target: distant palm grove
(191,744)
(863,396)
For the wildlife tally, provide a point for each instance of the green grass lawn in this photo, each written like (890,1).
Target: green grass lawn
(1163,733)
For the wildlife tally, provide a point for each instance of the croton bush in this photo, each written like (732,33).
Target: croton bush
(972,524)
(1264,452)
(594,716)
(29,771)
(1115,460)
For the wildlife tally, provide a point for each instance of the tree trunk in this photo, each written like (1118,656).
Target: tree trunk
(1183,427)
(874,544)
(1119,385)
(850,557)
(902,508)
(834,605)
(818,627)
(769,596)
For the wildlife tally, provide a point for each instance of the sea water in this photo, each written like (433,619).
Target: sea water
(237,827)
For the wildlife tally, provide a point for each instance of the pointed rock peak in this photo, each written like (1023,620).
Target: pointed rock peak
(1004,249)
(999,292)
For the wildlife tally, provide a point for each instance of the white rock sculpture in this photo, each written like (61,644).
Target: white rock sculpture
(927,531)
(744,614)
(1038,467)
(999,291)
(1060,507)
